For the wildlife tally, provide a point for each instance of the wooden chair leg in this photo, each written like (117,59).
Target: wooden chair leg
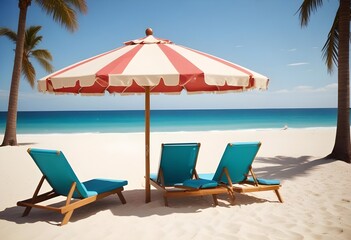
(121,197)
(166,201)
(68,202)
(26,211)
(214,196)
(36,192)
(66,217)
(278,195)
(231,196)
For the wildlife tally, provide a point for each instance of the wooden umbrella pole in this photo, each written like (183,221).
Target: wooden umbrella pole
(147,145)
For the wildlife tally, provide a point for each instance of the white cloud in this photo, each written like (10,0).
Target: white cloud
(297,64)
(332,86)
(329,87)
(282,91)
(303,89)
(292,50)
(310,89)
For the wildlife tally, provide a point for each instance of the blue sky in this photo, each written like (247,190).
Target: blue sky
(264,36)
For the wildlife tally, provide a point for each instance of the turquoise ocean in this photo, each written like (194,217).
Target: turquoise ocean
(49,122)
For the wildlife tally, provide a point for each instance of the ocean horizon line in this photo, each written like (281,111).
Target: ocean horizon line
(101,121)
(176,132)
(173,109)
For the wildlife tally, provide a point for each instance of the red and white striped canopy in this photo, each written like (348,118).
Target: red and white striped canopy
(158,63)
(151,65)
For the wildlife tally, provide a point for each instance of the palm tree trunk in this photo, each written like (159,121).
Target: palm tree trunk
(10,137)
(342,148)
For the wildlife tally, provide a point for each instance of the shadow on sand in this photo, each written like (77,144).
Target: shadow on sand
(135,206)
(27,144)
(280,167)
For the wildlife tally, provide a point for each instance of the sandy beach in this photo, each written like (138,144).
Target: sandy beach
(316,192)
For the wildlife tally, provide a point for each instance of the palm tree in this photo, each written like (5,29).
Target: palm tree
(43,56)
(336,50)
(64,12)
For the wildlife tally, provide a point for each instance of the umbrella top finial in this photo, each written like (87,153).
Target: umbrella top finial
(149,39)
(149,32)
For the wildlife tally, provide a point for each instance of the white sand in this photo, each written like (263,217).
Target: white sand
(317,192)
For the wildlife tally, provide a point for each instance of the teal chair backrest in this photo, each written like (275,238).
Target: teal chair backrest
(58,172)
(237,158)
(178,161)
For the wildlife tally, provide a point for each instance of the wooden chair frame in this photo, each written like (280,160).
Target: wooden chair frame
(245,186)
(181,191)
(69,206)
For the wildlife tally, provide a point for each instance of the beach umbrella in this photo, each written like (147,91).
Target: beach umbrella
(152,65)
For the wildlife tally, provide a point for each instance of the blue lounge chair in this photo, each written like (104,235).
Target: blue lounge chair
(58,173)
(177,176)
(235,166)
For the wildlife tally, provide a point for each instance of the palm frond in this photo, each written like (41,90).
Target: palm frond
(80,5)
(31,38)
(43,57)
(28,71)
(42,53)
(46,65)
(64,11)
(33,30)
(306,8)
(9,33)
(331,46)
